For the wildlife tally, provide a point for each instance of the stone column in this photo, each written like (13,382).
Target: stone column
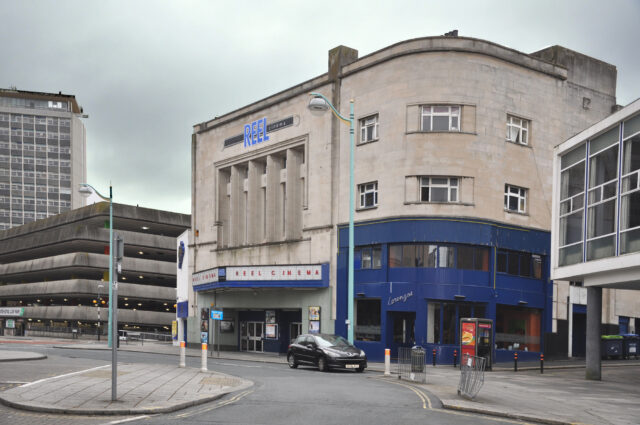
(594,314)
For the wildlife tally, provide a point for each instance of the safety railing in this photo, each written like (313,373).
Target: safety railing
(411,364)
(471,375)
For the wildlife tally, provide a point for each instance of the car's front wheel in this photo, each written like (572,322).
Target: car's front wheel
(322,364)
(293,363)
(360,369)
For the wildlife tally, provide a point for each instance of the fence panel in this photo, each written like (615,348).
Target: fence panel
(471,375)
(411,364)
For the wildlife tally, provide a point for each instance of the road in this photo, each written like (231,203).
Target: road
(280,395)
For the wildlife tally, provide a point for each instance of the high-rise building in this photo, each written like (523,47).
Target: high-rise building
(42,155)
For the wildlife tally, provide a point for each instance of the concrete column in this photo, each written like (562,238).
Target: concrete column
(594,314)
(254,176)
(237,207)
(224,233)
(273,209)
(293,225)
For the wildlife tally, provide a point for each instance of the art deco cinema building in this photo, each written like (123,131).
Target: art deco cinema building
(453,177)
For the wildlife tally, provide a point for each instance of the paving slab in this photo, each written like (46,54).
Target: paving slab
(142,389)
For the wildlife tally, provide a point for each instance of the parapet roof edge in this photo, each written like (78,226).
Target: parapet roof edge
(449,44)
(598,127)
(43,95)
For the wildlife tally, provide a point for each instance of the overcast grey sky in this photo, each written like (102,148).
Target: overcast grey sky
(147,71)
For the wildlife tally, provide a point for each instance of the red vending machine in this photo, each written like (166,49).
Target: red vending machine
(476,339)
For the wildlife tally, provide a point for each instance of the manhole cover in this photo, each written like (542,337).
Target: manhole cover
(221,380)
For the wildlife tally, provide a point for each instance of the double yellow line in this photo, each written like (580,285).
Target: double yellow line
(216,405)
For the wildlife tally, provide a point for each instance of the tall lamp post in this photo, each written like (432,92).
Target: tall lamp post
(87,190)
(320,104)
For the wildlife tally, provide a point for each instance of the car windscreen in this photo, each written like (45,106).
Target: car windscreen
(331,341)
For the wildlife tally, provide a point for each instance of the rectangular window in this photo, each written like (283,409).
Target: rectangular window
(572,180)
(515,198)
(449,322)
(446,256)
(518,130)
(630,201)
(440,118)
(517,328)
(368,194)
(369,257)
(465,257)
(369,129)
(439,189)
(367,326)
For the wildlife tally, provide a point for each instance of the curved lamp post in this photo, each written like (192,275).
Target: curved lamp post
(317,105)
(87,190)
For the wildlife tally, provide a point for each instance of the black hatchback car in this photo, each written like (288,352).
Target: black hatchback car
(325,351)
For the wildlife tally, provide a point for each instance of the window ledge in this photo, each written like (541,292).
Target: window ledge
(366,208)
(442,132)
(367,142)
(463,204)
(516,212)
(519,144)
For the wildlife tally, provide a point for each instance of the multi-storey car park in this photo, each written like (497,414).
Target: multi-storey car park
(54,271)
(452,180)
(42,155)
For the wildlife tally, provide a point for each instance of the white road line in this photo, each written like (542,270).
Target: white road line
(121,421)
(65,375)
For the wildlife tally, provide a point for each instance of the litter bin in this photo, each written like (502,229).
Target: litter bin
(417,359)
(611,346)
(630,345)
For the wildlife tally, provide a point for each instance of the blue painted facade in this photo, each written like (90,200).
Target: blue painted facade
(489,289)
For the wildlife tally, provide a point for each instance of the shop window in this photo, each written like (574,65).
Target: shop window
(522,264)
(367,326)
(517,328)
(465,257)
(446,256)
(443,319)
(442,256)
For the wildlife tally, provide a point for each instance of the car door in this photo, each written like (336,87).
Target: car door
(313,352)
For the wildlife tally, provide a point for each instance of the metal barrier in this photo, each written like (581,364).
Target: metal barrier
(471,375)
(411,364)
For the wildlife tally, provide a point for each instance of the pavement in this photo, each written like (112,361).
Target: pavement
(559,396)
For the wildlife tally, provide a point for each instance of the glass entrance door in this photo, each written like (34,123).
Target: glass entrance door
(251,335)
(294,330)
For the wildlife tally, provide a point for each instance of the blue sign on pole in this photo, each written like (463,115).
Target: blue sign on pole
(183,309)
(216,315)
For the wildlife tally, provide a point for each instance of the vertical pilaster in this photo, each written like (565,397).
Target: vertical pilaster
(293,214)
(594,314)
(254,176)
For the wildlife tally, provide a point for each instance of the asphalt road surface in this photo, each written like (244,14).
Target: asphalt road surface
(280,395)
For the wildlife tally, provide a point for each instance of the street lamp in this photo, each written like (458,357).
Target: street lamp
(88,190)
(100,286)
(317,105)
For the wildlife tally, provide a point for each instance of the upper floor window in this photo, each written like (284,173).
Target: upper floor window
(515,198)
(439,189)
(519,263)
(369,129)
(368,257)
(440,118)
(518,130)
(368,194)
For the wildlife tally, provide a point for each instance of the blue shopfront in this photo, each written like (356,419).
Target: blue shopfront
(414,278)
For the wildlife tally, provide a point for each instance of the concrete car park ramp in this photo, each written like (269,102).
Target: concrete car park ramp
(142,389)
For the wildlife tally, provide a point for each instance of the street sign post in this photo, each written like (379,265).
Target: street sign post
(217,316)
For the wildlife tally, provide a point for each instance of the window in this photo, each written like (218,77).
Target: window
(368,195)
(443,320)
(630,201)
(367,326)
(517,130)
(369,257)
(439,256)
(515,198)
(572,178)
(440,118)
(518,328)
(369,129)
(518,263)
(439,189)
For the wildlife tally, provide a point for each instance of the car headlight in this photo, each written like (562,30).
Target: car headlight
(362,354)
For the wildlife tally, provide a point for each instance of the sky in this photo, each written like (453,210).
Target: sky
(147,71)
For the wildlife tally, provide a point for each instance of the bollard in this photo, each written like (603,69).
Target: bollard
(541,363)
(387,361)
(455,358)
(515,362)
(182,354)
(204,358)
(434,356)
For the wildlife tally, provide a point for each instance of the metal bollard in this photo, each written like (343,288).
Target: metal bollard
(387,361)
(204,358)
(434,356)
(541,363)
(515,362)
(182,354)
(455,358)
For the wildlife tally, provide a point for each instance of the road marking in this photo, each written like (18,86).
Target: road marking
(217,405)
(65,375)
(424,397)
(136,418)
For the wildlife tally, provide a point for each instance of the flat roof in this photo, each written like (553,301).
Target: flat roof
(25,94)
